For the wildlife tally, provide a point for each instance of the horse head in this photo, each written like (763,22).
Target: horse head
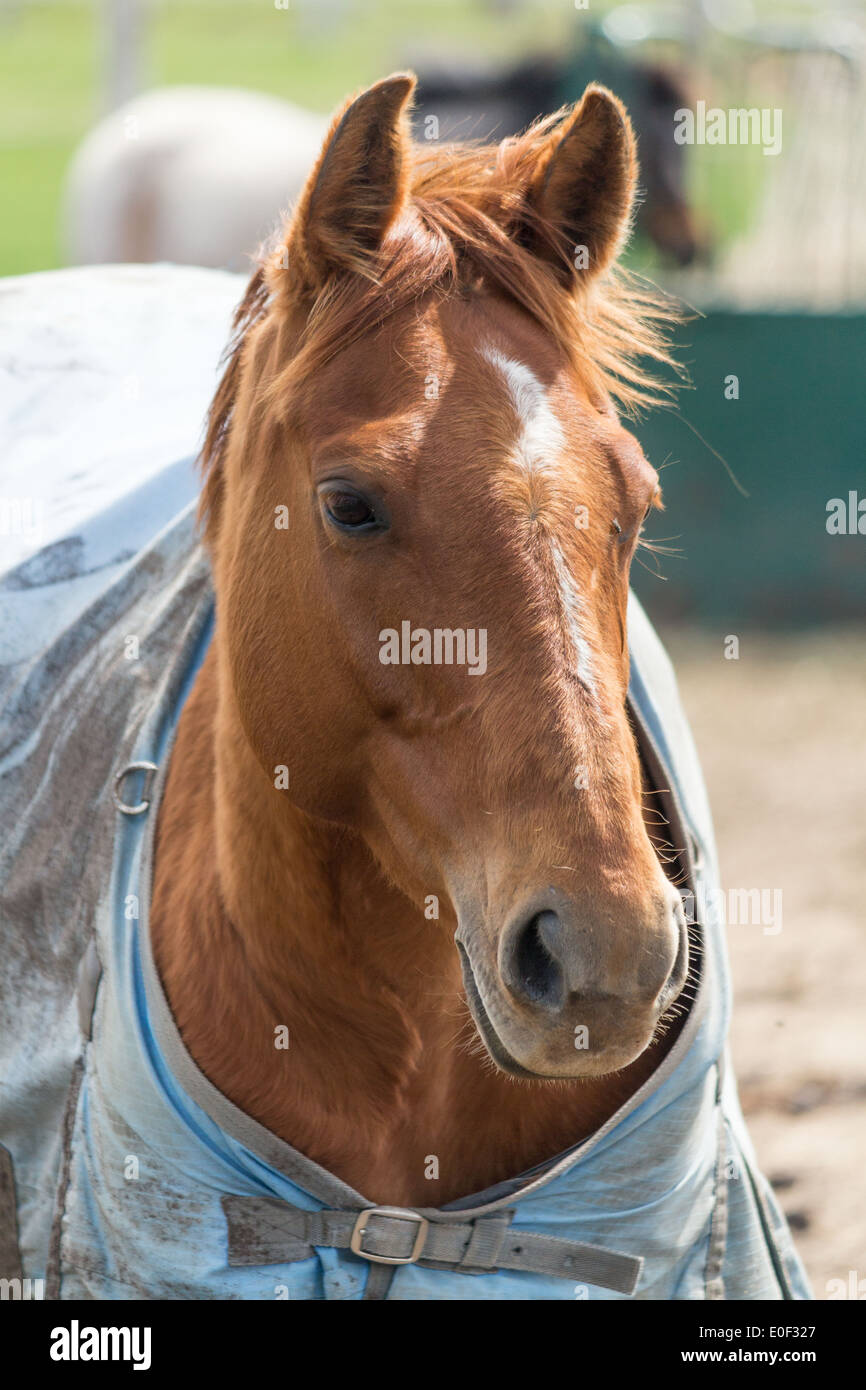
(422,510)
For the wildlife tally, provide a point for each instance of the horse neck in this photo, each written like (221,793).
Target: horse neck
(271,928)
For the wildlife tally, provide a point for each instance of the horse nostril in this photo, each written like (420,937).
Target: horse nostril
(536,973)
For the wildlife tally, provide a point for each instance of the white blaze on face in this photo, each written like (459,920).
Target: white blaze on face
(571,607)
(540,440)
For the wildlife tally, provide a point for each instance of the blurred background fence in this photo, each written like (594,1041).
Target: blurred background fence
(762,460)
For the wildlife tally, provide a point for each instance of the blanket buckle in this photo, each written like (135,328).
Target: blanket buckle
(397,1214)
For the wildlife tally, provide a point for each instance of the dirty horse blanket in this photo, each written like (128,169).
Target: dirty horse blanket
(124,1173)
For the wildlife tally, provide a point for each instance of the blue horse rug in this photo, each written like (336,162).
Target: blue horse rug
(124,1173)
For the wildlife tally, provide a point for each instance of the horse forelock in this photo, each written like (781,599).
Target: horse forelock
(464,231)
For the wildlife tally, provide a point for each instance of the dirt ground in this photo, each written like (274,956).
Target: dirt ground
(782,735)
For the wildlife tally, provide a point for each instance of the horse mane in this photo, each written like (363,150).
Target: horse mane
(468,227)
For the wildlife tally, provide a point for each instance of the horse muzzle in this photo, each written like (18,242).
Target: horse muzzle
(556,1000)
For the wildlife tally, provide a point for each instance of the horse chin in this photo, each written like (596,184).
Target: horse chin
(579,1066)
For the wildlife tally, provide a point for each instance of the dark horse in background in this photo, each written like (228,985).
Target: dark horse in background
(474,101)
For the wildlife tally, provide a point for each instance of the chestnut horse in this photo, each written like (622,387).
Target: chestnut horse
(436,875)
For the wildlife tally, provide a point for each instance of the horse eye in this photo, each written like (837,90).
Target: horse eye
(350,510)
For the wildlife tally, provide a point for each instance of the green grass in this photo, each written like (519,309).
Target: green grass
(294,55)
(47,81)
(51,82)
(31,177)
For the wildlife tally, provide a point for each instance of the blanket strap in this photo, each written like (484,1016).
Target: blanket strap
(10,1254)
(265,1230)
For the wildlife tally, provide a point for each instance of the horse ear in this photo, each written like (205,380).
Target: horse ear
(357,188)
(583,192)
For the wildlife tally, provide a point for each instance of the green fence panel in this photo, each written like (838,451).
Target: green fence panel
(795,439)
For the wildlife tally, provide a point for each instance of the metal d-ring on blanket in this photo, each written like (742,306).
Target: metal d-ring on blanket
(149,770)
